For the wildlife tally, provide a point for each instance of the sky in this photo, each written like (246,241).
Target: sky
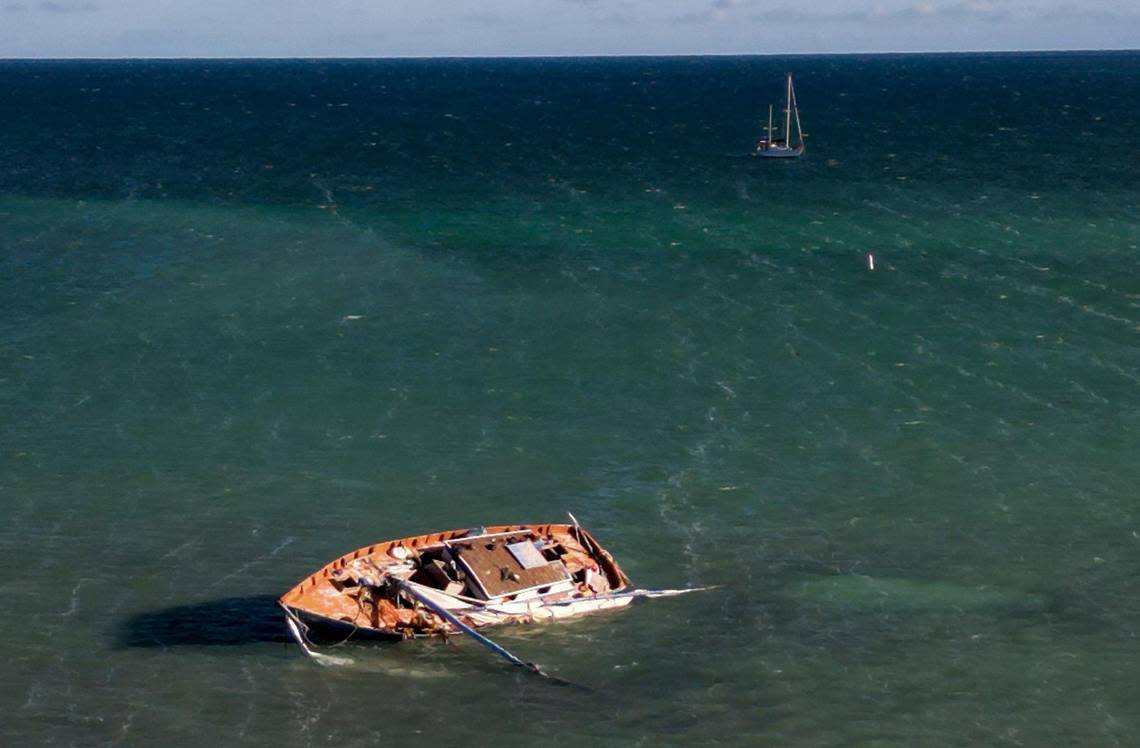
(433,28)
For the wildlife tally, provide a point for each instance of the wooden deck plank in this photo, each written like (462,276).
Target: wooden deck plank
(497,570)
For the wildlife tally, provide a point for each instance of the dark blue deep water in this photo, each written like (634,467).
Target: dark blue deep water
(257,314)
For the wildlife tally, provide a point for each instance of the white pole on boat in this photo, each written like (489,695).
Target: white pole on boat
(769,125)
(870,262)
(578,533)
(788,114)
(639,593)
(451,618)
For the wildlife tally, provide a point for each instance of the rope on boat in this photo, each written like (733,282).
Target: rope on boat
(297,626)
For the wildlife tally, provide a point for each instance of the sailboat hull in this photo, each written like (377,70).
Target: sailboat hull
(472,573)
(779,151)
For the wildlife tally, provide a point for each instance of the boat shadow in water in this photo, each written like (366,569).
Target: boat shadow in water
(226,622)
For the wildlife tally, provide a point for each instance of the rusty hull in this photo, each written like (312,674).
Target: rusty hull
(352,595)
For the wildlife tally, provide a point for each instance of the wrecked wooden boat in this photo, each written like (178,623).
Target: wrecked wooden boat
(450,582)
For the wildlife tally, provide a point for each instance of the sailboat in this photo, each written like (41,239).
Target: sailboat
(448,582)
(774,146)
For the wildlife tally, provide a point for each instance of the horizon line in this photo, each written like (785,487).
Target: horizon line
(603,55)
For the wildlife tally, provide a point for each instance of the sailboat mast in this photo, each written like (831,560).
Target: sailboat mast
(788,113)
(769,124)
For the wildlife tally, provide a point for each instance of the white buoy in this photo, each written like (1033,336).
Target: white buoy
(870,262)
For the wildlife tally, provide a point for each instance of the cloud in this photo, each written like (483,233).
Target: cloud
(973,9)
(927,10)
(905,11)
(67,6)
(485,19)
(51,6)
(1070,12)
(352,28)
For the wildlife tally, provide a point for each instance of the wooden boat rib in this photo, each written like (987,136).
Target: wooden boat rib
(485,576)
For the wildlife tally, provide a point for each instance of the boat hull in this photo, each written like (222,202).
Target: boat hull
(324,630)
(357,595)
(780,152)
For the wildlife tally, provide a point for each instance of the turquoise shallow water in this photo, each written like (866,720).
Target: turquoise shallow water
(253,315)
